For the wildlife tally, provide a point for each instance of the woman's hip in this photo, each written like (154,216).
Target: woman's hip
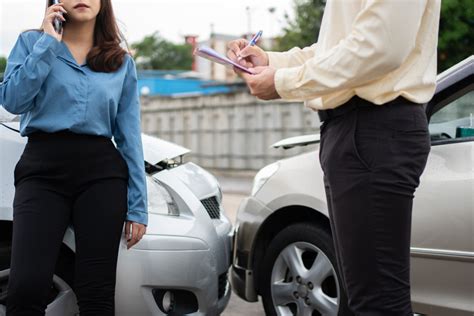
(66,156)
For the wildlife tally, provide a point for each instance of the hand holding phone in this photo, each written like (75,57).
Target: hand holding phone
(57,22)
(54,14)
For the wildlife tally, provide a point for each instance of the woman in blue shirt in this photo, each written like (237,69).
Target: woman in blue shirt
(75,89)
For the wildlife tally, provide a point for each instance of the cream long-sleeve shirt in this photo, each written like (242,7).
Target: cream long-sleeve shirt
(375,49)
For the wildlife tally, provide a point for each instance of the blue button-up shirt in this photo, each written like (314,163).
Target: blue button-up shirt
(44,83)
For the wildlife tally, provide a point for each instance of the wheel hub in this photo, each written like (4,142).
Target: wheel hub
(303,290)
(294,283)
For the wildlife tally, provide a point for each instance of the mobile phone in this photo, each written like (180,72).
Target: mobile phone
(58,24)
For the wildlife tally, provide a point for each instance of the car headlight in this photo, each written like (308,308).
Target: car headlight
(263,175)
(219,195)
(160,200)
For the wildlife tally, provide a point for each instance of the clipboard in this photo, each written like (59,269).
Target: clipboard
(212,55)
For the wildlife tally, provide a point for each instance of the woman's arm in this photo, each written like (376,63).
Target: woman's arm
(26,72)
(127,135)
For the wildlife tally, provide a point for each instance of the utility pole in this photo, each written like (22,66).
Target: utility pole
(249,22)
(272,11)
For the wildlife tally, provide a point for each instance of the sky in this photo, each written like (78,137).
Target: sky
(172,18)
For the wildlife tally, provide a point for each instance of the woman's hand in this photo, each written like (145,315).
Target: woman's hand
(251,56)
(133,233)
(52,13)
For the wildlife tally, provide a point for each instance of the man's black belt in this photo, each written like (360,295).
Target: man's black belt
(353,103)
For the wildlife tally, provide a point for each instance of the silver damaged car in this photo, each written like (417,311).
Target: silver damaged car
(283,245)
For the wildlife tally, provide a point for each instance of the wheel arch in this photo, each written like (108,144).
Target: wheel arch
(66,257)
(276,222)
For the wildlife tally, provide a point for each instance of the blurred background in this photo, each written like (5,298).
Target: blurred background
(202,105)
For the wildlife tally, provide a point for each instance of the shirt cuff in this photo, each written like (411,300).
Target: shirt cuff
(284,83)
(46,47)
(138,217)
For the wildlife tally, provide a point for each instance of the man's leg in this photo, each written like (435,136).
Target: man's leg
(372,175)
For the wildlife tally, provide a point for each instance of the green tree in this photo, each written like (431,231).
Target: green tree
(456,32)
(154,52)
(303,29)
(3,64)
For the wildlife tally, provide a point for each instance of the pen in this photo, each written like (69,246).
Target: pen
(253,41)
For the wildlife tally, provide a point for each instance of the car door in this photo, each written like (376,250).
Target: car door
(442,253)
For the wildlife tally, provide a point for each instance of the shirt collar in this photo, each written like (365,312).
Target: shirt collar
(66,55)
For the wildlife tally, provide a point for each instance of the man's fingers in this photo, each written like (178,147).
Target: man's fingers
(231,55)
(237,44)
(247,77)
(235,47)
(249,51)
(245,63)
(258,69)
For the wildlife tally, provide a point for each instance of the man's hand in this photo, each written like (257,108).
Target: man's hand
(251,56)
(262,83)
(133,233)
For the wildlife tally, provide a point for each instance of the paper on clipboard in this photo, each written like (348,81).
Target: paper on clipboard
(212,55)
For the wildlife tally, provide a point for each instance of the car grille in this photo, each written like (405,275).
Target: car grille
(212,207)
(222,284)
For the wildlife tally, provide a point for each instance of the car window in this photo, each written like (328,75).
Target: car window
(455,120)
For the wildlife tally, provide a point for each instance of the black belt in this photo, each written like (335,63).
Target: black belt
(63,134)
(353,103)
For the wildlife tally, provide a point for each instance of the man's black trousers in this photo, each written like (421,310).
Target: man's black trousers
(372,157)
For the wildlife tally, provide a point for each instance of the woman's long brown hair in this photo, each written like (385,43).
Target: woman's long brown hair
(106,54)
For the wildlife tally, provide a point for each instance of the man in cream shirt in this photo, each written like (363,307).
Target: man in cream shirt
(368,76)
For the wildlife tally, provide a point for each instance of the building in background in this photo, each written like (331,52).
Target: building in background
(176,83)
(232,131)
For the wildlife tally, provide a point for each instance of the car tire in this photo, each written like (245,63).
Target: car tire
(299,274)
(64,274)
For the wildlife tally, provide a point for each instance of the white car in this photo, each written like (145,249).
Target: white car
(180,267)
(283,231)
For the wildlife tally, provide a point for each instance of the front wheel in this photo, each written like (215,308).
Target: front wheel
(61,298)
(299,274)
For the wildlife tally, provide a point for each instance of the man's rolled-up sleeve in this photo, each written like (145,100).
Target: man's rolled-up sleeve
(383,35)
(292,58)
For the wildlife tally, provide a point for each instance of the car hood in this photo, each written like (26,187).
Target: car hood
(155,150)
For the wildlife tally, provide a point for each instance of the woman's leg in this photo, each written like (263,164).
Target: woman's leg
(40,218)
(98,217)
